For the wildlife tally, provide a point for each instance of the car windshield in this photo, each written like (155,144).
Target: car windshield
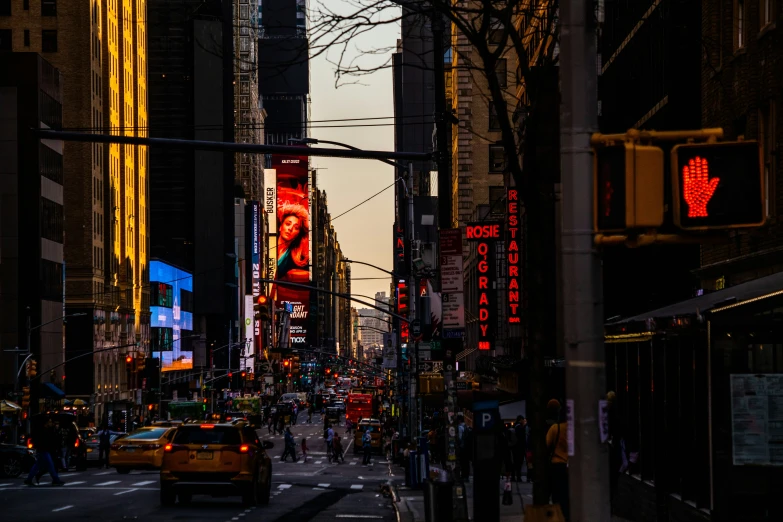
(207,435)
(149,434)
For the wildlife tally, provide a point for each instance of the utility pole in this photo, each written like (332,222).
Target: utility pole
(588,467)
(412,385)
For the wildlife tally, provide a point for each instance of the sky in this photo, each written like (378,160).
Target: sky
(365,234)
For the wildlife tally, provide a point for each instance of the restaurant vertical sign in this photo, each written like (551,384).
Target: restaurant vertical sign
(514,256)
(485,235)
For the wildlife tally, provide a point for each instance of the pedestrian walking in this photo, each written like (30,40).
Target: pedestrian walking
(557,445)
(290,447)
(329,442)
(338,455)
(367,446)
(104,446)
(45,442)
(304,449)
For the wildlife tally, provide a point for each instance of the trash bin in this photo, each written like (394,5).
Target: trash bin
(438,501)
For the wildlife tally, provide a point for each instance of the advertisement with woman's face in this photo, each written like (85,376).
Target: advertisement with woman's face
(293,239)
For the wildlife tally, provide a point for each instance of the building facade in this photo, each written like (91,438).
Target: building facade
(32,267)
(101,50)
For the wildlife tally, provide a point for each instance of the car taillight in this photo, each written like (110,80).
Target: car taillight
(29,443)
(244,448)
(115,447)
(207,426)
(167,448)
(76,444)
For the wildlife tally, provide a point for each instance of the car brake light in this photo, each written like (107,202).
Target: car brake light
(207,426)
(76,444)
(244,448)
(167,448)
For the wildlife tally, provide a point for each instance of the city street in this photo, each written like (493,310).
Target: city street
(304,491)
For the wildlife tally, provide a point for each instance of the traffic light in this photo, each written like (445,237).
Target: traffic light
(141,362)
(627,185)
(243,374)
(25,397)
(717,185)
(129,362)
(403,298)
(262,308)
(33,371)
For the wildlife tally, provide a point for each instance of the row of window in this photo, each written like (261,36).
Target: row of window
(48,7)
(50,164)
(52,223)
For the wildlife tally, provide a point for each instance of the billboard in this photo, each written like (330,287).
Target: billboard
(453,305)
(292,240)
(253,236)
(171,310)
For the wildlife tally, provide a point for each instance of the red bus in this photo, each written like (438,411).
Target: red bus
(358,407)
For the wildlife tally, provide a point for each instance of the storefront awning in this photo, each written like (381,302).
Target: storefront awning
(744,293)
(51,391)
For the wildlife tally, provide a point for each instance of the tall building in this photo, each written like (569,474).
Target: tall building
(101,50)
(31,222)
(284,70)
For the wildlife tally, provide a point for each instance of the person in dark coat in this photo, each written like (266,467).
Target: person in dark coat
(46,443)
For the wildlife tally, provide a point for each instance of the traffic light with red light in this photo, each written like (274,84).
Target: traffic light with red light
(262,308)
(627,186)
(230,375)
(717,185)
(243,374)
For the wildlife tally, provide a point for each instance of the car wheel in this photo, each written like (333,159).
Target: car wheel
(123,471)
(12,466)
(185,497)
(266,490)
(167,495)
(250,495)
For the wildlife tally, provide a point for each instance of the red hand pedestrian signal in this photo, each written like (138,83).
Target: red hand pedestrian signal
(697,187)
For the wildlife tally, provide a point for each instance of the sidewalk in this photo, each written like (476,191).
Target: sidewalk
(409,503)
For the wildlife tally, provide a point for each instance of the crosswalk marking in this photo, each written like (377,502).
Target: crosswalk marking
(323,485)
(109,483)
(319,489)
(284,486)
(144,483)
(4,485)
(62,508)
(103,473)
(352,463)
(301,461)
(319,461)
(126,491)
(357,486)
(74,483)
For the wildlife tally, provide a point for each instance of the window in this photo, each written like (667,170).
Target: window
(501,72)
(51,220)
(766,14)
(497,159)
(5,39)
(162,339)
(494,121)
(26,5)
(51,280)
(50,164)
(495,32)
(185,300)
(5,7)
(48,7)
(161,295)
(740,24)
(49,41)
(496,197)
(27,37)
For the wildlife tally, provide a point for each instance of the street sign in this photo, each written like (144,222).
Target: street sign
(425,366)
(430,366)
(453,334)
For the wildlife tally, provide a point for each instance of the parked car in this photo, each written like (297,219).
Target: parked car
(15,459)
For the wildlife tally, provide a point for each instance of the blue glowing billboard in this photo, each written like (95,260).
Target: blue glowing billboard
(171,309)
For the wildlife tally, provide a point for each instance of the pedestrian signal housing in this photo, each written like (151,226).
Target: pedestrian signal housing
(717,185)
(628,186)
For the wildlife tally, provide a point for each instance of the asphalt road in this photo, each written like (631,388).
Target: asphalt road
(312,491)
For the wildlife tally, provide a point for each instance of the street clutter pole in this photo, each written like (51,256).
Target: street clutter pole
(412,354)
(588,463)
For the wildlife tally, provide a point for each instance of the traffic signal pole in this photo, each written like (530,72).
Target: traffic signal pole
(588,461)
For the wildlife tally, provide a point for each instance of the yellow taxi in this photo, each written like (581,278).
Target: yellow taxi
(142,449)
(375,433)
(217,459)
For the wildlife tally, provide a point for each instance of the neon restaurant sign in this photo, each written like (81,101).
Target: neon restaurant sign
(485,235)
(513,254)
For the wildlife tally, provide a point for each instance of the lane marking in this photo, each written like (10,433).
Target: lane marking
(319,489)
(103,473)
(357,486)
(352,463)
(4,485)
(323,485)
(74,483)
(61,509)
(284,486)
(126,491)
(359,516)
(109,483)
(144,483)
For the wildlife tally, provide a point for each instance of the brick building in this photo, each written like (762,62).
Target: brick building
(100,49)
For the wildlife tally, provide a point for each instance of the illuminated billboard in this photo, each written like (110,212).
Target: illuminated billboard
(171,310)
(292,240)
(513,257)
